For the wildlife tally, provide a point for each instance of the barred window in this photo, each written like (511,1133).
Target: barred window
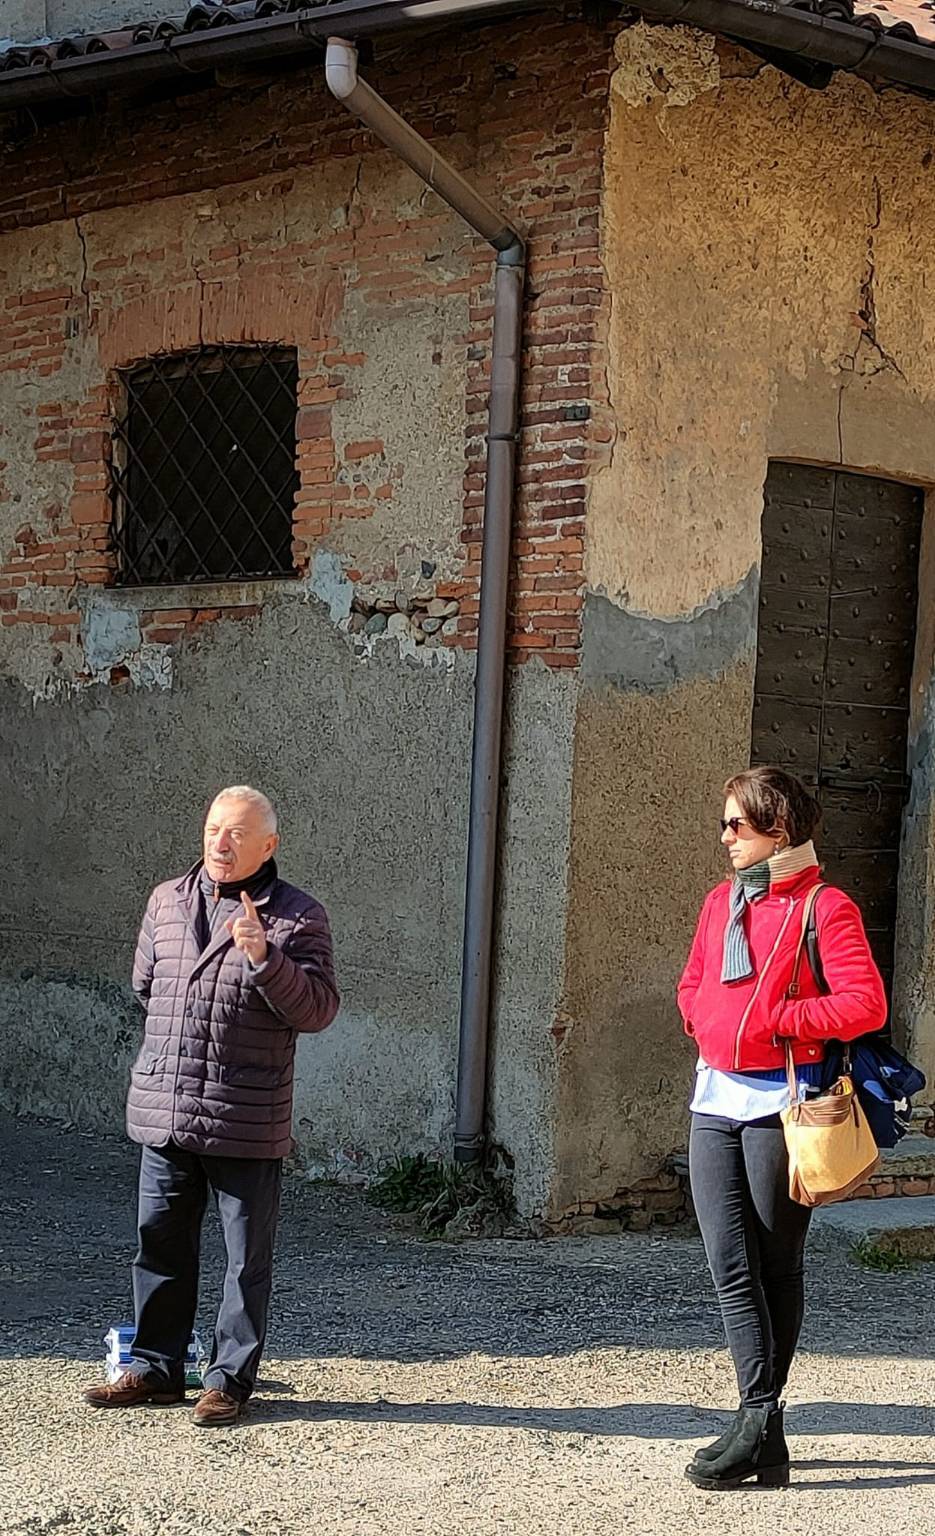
(204,468)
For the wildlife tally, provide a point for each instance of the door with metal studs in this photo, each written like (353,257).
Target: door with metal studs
(835,649)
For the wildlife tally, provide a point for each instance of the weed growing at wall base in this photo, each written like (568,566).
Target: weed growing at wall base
(449,1199)
(874,1256)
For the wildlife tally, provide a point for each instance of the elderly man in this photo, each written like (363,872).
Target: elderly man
(231,964)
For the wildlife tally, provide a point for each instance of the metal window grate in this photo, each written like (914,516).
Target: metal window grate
(204,469)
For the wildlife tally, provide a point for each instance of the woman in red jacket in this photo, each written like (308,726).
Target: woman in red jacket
(732,997)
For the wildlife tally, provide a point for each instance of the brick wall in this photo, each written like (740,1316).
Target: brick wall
(521,108)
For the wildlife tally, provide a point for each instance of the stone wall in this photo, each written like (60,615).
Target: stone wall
(726,268)
(764,249)
(264,214)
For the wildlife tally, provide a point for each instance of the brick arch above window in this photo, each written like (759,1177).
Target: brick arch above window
(251,308)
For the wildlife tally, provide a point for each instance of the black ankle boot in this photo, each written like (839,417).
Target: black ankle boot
(756,1447)
(719,1446)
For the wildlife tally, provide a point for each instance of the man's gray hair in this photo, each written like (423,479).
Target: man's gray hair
(254,797)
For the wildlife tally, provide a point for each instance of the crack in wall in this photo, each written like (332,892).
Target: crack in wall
(353,200)
(867,309)
(202,286)
(85,270)
(879,359)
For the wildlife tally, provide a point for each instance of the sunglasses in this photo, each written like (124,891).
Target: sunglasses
(734,822)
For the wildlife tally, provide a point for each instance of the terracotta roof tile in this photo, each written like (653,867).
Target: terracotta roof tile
(201,16)
(894,15)
(912,20)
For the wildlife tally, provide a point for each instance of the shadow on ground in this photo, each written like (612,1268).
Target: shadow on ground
(354,1282)
(650,1421)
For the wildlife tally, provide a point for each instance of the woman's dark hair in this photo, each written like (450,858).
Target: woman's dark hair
(770,798)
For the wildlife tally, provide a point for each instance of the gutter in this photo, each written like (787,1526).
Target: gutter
(863,51)
(246,42)
(502,417)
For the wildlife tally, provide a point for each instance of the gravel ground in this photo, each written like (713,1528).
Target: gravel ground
(418,1388)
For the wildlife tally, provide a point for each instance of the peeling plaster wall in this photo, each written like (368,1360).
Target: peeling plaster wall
(115,740)
(527,1022)
(764,249)
(281,701)
(368,760)
(256,210)
(242,262)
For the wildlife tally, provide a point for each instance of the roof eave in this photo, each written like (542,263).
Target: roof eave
(246,42)
(857,49)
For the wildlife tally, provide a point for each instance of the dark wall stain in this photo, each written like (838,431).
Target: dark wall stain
(632,652)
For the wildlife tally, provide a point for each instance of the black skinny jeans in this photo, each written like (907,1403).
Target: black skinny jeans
(754,1237)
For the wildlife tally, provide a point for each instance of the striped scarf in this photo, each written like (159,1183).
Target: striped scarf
(752,885)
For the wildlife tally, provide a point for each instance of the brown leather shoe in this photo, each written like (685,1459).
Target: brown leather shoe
(215,1410)
(128,1391)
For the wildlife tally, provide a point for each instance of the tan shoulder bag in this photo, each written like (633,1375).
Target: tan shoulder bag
(830,1145)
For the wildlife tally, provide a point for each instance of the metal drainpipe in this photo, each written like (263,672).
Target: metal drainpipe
(502,418)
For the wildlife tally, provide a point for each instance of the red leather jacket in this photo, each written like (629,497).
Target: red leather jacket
(740,1026)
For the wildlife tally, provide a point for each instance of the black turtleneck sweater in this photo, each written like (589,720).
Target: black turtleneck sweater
(217,903)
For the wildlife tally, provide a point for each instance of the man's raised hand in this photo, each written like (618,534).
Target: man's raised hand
(248,932)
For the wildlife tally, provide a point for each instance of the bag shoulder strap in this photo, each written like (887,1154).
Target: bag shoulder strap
(809,927)
(811,944)
(808,909)
(818,970)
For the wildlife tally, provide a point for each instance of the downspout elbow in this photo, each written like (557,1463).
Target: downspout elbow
(513,254)
(341,68)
